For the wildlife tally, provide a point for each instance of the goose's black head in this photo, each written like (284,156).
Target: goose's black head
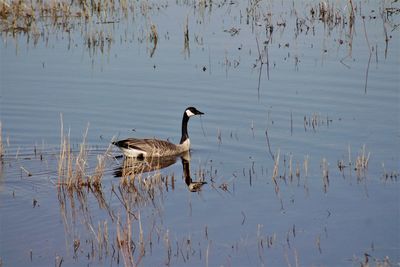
(189,112)
(192,111)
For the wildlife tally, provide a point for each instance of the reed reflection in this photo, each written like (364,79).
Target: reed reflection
(193,186)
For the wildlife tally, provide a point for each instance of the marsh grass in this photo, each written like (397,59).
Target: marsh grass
(40,20)
(71,167)
(130,241)
(95,21)
(75,210)
(389,175)
(73,171)
(124,237)
(126,233)
(316,120)
(132,237)
(124,241)
(362,160)
(359,165)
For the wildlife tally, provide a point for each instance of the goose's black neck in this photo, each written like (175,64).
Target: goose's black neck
(185,134)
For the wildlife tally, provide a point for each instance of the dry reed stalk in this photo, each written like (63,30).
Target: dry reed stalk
(141,239)
(58,260)
(95,179)
(186,48)
(64,160)
(26,171)
(81,163)
(392,175)
(167,243)
(325,174)
(186,32)
(318,244)
(153,34)
(260,245)
(77,244)
(124,241)
(276,171)
(72,170)
(268,144)
(362,162)
(296,258)
(305,165)
(341,166)
(105,236)
(132,168)
(102,239)
(219,136)
(291,123)
(290,167)
(124,7)
(1,143)
(252,127)
(349,153)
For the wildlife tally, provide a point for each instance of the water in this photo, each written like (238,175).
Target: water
(312,100)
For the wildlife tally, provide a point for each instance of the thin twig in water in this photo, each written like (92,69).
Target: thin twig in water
(291,123)
(269,147)
(259,81)
(202,128)
(261,60)
(369,59)
(26,171)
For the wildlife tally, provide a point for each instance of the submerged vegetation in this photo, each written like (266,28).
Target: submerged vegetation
(95,21)
(39,21)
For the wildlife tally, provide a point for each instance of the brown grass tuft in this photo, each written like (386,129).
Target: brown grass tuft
(73,169)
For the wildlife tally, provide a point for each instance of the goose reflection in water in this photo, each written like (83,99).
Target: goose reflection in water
(135,166)
(193,186)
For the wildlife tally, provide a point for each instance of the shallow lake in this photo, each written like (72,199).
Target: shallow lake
(299,144)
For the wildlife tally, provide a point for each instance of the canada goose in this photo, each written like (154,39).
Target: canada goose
(142,148)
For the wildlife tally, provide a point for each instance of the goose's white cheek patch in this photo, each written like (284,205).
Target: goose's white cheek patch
(189,113)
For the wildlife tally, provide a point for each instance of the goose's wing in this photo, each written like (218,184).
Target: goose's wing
(130,143)
(146,146)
